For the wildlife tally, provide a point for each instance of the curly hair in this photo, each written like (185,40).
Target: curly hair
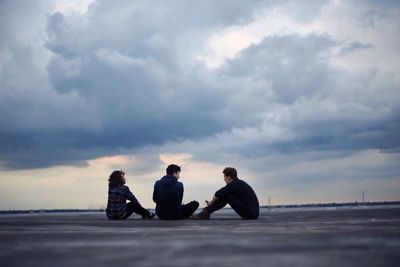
(116,178)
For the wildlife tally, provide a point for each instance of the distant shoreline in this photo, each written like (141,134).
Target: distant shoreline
(333,204)
(318,205)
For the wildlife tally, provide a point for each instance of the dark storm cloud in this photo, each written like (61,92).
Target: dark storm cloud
(285,97)
(123,76)
(109,79)
(290,64)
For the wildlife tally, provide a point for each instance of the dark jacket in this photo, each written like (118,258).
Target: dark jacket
(244,193)
(167,195)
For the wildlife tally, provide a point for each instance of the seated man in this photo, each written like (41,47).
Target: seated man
(168,194)
(237,193)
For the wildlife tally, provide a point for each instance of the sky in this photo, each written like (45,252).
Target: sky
(301,97)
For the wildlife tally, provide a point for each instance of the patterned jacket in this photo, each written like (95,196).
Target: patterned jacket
(117,196)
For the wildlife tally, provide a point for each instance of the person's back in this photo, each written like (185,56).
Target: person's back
(168,194)
(116,205)
(237,193)
(246,195)
(118,194)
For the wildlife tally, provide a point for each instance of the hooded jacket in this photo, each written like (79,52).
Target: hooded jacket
(167,195)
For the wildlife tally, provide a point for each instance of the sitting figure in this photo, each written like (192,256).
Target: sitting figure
(237,193)
(168,194)
(118,193)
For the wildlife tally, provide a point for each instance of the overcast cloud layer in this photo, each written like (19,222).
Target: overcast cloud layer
(258,82)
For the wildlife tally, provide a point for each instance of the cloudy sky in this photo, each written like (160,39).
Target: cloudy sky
(302,97)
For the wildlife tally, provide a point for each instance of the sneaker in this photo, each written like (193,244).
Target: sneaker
(202,215)
(149,217)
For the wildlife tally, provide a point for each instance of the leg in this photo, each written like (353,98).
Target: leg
(217,204)
(189,209)
(134,207)
(235,204)
(239,207)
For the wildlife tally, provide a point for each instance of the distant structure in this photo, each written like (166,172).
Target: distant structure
(269,201)
(363,196)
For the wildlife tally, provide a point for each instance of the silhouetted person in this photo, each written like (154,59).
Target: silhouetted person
(168,194)
(237,193)
(118,193)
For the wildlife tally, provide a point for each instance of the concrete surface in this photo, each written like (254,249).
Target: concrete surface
(286,237)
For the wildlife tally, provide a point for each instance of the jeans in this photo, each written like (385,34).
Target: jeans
(237,205)
(134,207)
(188,209)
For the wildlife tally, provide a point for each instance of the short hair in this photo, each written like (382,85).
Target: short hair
(229,171)
(116,178)
(171,169)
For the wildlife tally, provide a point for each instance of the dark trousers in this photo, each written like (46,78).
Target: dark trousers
(188,209)
(237,205)
(134,207)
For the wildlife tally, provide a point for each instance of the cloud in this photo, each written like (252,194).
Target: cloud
(76,86)
(354,47)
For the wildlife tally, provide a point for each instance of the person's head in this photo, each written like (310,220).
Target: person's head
(116,178)
(174,170)
(229,174)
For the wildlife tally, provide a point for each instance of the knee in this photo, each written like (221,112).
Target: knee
(195,204)
(230,198)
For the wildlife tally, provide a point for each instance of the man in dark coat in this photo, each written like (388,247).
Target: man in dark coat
(168,194)
(237,193)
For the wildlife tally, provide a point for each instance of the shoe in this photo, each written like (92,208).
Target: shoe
(202,215)
(149,217)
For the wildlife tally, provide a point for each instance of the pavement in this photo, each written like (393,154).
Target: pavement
(280,237)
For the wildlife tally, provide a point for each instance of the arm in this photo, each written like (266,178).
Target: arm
(154,194)
(228,189)
(212,200)
(181,192)
(130,196)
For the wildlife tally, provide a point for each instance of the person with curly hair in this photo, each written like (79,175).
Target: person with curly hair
(118,194)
